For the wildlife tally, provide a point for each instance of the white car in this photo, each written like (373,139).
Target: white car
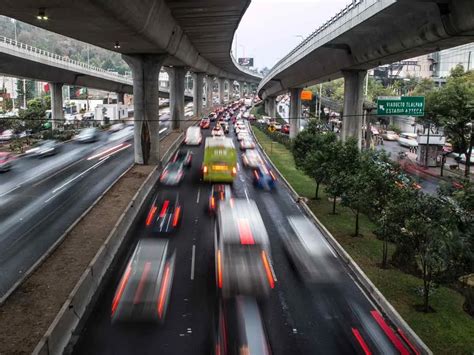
(217,131)
(251,158)
(277,126)
(408,140)
(390,136)
(242,135)
(193,136)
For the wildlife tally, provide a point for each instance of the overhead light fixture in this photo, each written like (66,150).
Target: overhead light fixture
(42,14)
(117,45)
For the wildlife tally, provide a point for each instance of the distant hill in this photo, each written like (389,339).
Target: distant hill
(62,45)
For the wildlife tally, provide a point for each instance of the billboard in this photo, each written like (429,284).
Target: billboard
(246,62)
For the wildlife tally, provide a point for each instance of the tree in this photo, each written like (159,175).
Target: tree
(342,158)
(35,114)
(423,87)
(21,85)
(431,230)
(451,107)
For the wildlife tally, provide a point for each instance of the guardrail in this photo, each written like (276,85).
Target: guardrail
(37,52)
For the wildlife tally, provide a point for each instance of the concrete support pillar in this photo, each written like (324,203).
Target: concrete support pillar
(271,107)
(145,70)
(120,98)
(56,104)
(353,104)
(241,89)
(198,83)
(176,75)
(221,82)
(295,111)
(209,92)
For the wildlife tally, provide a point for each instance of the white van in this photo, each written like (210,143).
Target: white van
(193,136)
(408,140)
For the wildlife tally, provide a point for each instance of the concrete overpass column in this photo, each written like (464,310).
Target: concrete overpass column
(176,75)
(145,70)
(295,111)
(221,82)
(353,104)
(270,107)
(209,91)
(56,104)
(241,89)
(198,83)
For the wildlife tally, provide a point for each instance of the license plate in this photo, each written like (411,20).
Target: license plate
(219,168)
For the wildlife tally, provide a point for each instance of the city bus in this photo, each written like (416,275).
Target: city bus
(220,160)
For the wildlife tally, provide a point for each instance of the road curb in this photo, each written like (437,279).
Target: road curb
(69,318)
(357,272)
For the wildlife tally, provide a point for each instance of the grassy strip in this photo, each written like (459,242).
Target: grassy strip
(447,331)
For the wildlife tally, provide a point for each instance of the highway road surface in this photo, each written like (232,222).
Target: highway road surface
(331,317)
(41,197)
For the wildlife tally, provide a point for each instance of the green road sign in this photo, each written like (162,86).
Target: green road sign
(401,106)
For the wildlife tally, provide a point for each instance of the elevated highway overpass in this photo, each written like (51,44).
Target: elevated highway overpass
(150,34)
(366,34)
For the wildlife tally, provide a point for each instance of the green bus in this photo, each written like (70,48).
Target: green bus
(220,160)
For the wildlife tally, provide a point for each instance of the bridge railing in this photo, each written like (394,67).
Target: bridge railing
(355,7)
(37,52)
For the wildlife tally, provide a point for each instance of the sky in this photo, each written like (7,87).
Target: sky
(272,28)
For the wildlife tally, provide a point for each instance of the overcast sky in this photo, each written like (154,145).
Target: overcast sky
(271,28)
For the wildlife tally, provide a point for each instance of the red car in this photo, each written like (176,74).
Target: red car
(285,129)
(205,123)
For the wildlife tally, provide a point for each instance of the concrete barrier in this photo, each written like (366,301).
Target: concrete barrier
(379,299)
(69,318)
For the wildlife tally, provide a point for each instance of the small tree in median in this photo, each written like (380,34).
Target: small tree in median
(342,165)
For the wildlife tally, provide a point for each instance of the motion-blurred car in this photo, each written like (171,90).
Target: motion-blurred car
(116,127)
(172,174)
(242,135)
(44,149)
(193,136)
(408,140)
(183,156)
(7,135)
(217,131)
(6,161)
(307,252)
(205,123)
(225,127)
(242,250)
(246,143)
(144,290)
(390,136)
(165,212)
(87,135)
(219,193)
(251,158)
(285,129)
(239,328)
(122,135)
(264,178)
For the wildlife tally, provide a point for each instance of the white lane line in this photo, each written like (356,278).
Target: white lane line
(238,166)
(79,175)
(162,130)
(57,172)
(246,194)
(192,262)
(10,191)
(198,195)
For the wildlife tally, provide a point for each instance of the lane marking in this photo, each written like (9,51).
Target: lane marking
(198,195)
(192,262)
(80,175)
(9,191)
(246,194)
(57,172)
(162,130)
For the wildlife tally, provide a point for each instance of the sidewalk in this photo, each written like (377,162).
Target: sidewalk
(28,312)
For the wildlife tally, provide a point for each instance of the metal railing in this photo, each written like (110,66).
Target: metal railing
(37,52)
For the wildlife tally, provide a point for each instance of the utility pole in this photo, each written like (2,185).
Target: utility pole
(319,100)
(24,94)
